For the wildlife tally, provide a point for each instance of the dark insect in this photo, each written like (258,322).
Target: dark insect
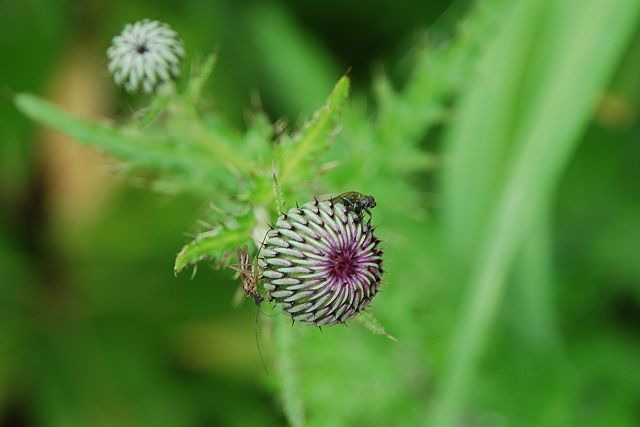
(249,272)
(356,202)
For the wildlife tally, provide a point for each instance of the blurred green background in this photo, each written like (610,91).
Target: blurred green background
(95,330)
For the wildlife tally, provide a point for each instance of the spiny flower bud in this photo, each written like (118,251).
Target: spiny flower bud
(146,54)
(321,263)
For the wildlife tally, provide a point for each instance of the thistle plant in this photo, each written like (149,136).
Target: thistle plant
(322,263)
(515,128)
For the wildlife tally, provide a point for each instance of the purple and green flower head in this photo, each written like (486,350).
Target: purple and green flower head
(322,263)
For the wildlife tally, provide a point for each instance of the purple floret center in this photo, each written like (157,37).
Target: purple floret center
(343,264)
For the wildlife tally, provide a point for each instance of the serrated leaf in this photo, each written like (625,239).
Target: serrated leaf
(178,161)
(213,244)
(441,69)
(373,325)
(298,160)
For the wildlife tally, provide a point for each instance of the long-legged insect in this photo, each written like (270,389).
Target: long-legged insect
(249,272)
(248,269)
(356,202)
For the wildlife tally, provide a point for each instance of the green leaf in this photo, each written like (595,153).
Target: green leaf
(158,105)
(181,161)
(202,74)
(132,146)
(299,159)
(440,71)
(373,325)
(215,243)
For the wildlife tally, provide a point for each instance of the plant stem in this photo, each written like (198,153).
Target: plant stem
(288,371)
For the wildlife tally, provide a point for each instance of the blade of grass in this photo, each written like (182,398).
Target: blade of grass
(532,304)
(554,108)
(482,143)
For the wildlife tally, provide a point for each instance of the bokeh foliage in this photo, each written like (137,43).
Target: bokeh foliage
(502,151)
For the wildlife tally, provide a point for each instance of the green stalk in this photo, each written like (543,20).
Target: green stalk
(287,371)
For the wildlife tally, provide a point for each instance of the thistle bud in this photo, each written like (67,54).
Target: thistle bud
(321,263)
(145,55)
